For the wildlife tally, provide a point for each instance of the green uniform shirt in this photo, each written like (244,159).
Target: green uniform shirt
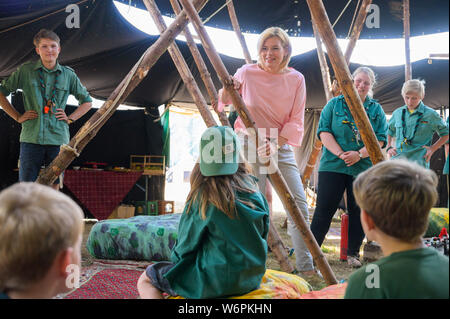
(419,128)
(413,274)
(46,129)
(219,256)
(337,120)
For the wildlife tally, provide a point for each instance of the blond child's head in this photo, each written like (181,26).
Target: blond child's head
(40,232)
(397,195)
(413,92)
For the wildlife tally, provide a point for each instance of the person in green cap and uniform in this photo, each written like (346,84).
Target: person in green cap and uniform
(222,236)
(46,86)
(412,126)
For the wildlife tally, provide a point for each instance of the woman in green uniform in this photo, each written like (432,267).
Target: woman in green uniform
(344,156)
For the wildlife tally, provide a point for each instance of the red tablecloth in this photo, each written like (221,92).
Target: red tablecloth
(100,191)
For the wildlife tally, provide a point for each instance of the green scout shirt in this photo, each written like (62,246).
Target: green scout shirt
(46,129)
(446,161)
(219,256)
(419,127)
(413,274)
(336,119)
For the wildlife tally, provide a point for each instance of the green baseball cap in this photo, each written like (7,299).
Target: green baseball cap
(219,151)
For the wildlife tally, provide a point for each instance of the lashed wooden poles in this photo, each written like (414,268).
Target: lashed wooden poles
(204,73)
(406,27)
(69,152)
(357,28)
(237,30)
(278,181)
(182,67)
(274,239)
(356,31)
(342,72)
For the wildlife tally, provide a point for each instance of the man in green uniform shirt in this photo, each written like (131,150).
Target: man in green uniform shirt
(46,85)
(412,126)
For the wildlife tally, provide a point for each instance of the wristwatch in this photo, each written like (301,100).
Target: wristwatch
(360,155)
(70,121)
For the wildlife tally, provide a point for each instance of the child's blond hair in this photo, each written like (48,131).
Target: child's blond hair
(36,223)
(398,196)
(415,86)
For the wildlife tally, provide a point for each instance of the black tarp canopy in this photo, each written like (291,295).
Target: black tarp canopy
(105,47)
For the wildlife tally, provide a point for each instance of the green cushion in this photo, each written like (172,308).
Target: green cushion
(150,238)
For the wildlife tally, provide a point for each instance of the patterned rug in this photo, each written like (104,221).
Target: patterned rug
(108,280)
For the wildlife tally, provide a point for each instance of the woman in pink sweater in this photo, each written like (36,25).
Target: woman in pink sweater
(275,96)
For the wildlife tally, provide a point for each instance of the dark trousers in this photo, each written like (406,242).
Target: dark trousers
(330,191)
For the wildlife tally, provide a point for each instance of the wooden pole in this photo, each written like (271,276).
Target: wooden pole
(274,239)
(276,178)
(204,73)
(326,79)
(237,30)
(357,28)
(343,75)
(69,152)
(408,68)
(356,31)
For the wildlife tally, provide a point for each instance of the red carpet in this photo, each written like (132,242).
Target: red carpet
(109,284)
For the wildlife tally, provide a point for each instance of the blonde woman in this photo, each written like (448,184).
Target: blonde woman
(412,126)
(344,156)
(222,248)
(275,96)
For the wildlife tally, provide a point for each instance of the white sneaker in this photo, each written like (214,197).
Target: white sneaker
(353,262)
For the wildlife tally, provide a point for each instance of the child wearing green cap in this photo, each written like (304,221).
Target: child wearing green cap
(222,235)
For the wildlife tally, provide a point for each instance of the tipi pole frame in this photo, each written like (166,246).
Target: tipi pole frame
(277,180)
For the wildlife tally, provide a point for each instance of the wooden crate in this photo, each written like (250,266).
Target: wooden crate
(150,209)
(149,164)
(122,212)
(166,207)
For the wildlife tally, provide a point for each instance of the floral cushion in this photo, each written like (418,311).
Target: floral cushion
(149,238)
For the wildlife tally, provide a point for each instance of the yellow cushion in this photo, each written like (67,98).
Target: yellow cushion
(276,285)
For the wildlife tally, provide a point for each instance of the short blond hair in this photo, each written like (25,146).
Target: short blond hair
(416,86)
(285,42)
(398,196)
(36,223)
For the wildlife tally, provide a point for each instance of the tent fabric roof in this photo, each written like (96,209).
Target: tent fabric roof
(427,16)
(105,48)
